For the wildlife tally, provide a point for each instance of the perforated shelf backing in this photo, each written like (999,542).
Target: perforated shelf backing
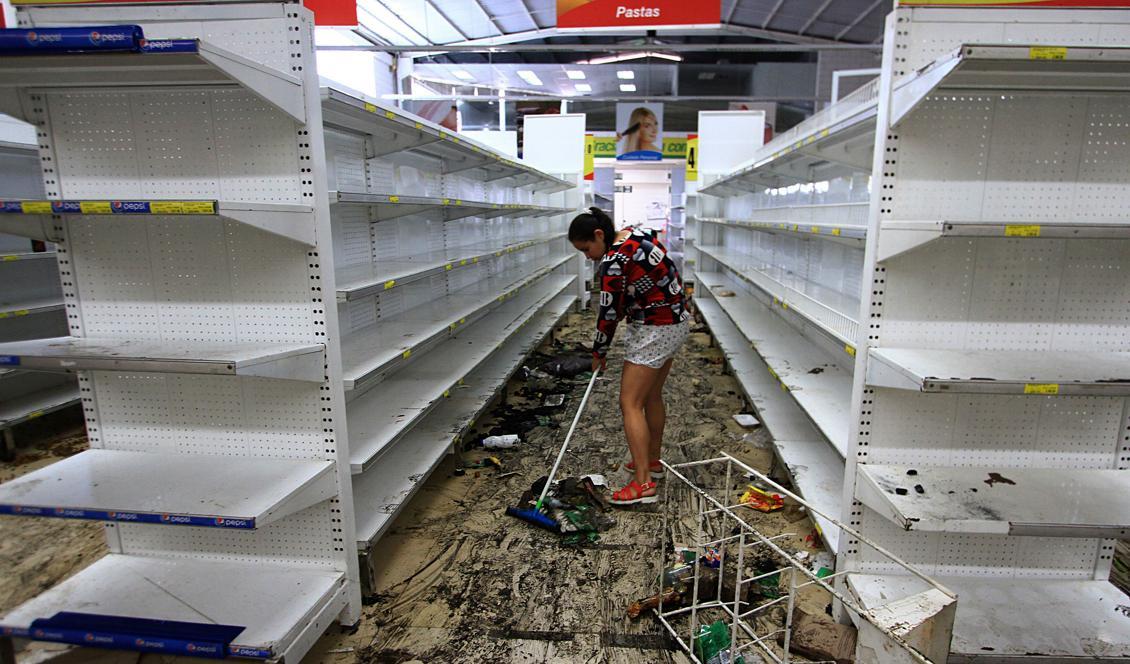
(198,144)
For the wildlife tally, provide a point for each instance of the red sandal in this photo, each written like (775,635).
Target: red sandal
(633,494)
(656,468)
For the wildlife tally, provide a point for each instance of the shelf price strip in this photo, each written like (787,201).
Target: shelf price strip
(235,523)
(108,207)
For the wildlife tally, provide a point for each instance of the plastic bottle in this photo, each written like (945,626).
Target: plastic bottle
(497,442)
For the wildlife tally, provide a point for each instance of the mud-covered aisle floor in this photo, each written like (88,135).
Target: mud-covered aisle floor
(462,582)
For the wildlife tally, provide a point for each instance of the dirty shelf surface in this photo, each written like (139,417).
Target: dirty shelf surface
(1000,501)
(995,615)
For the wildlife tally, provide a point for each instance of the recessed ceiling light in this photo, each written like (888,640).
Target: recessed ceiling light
(583,87)
(626,74)
(463,75)
(575,74)
(627,87)
(529,77)
(621,57)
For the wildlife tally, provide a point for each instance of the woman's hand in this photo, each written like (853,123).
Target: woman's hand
(599,364)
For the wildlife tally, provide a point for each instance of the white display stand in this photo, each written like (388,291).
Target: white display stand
(311,298)
(941,289)
(31,298)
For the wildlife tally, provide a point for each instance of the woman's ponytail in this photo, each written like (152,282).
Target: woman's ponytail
(584,226)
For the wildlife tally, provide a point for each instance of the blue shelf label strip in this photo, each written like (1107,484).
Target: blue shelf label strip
(140,634)
(130,517)
(169,46)
(9,360)
(55,40)
(199,207)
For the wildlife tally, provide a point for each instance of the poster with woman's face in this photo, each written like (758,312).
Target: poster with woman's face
(639,132)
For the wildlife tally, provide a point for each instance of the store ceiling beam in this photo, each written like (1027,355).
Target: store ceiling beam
(406,23)
(445,17)
(772,14)
(479,4)
(530,14)
(733,10)
(496,47)
(815,15)
(859,19)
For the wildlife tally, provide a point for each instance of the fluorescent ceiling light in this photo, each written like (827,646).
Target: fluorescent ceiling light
(627,87)
(623,57)
(584,87)
(626,74)
(575,74)
(529,77)
(463,75)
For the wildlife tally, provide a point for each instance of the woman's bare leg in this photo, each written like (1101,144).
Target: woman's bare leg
(636,384)
(656,412)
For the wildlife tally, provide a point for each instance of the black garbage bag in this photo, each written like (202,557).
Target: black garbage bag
(568,365)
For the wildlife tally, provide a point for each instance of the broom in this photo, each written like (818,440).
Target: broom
(535,516)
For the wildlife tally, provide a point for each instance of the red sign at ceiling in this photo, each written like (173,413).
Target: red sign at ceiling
(636,13)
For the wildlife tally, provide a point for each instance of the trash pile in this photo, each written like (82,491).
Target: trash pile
(577,505)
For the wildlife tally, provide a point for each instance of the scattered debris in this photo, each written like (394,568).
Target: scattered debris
(820,638)
(554,400)
(747,420)
(668,596)
(997,478)
(501,442)
(723,293)
(816,370)
(762,501)
(568,366)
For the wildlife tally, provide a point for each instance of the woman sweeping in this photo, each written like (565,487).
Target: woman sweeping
(639,282)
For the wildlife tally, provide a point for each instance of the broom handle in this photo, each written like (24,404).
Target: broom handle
(568,436)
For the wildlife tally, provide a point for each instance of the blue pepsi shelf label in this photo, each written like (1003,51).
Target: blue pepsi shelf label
(211,641)
(9,360)
(93,38)
(169,46)
(108,207)
(237,523)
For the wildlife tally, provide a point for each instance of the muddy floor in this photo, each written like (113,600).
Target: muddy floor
(457,580)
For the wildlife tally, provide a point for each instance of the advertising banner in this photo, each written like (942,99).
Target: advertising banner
(639,132)
(635,13)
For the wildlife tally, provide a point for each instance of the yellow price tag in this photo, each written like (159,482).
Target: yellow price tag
(390,115)
(393,199)
(1041,388)
(458,202)
(1021,231)
(95,207)
(815,229)
(36,207)
(199,207)
(372,108)
(449,267)
(419,125)
(34,414)
(462,262)
(406,354)
(447,201)
(835,231)
(1047,53)
(475,259)
(390,283)
(10,258)
(849,349)
(446,394)
(166,207)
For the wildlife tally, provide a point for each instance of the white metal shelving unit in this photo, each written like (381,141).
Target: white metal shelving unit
(988,437)
(979,429)
(277,305)
(192,226)
(778,246)
(31,298)
(450,258)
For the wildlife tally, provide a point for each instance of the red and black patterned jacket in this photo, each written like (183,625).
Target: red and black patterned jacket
(637,281)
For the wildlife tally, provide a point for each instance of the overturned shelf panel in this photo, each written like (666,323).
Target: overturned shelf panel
(899,237)
(358,282)
(380,494)
(381,416)
(273,604)
(1011,68)
(32,219)
(1020,619)
(1000,501)
(1035,372)
(195,63)
(170,489)
(303,362)
(824,396)
(814,465)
